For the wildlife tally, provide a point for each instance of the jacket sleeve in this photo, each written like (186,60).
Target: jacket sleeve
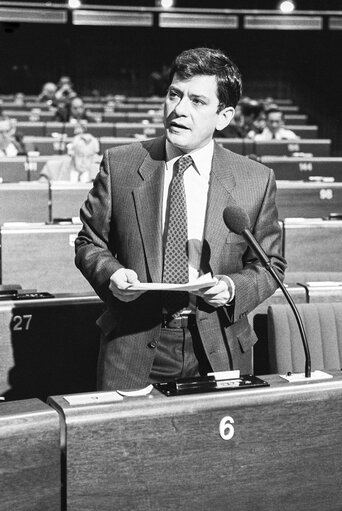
(95,251)
(253,284)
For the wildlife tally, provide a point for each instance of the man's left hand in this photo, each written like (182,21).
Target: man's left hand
(218,295)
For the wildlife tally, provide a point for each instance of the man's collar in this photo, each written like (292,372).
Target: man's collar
(202,157)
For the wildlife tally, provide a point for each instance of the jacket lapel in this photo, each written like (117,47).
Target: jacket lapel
(148,201)
(222,183)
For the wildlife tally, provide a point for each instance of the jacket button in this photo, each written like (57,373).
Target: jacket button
(152,344)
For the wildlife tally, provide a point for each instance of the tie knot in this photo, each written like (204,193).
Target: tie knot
(184,163)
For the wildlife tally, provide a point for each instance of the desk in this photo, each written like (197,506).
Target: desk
(24,202)
(30,457)
(21,168)
(67,198)
(275,448)
(313,244)
(48,345)
(308,200)
(314,147)
(292,168)
(39,256)
(130,129)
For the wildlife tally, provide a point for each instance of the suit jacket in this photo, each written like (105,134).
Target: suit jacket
(122,227)
(59,169)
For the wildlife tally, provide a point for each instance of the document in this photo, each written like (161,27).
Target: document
(202,282)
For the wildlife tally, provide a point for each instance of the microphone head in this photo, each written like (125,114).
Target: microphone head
(236,219)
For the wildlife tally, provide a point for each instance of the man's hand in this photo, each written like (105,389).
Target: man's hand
(121,281)
(220,294)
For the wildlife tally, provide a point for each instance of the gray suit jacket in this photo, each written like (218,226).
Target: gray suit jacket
(122,227)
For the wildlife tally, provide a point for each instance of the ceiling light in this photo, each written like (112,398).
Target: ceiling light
(287,6)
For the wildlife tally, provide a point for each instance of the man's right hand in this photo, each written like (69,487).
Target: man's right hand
(121,281)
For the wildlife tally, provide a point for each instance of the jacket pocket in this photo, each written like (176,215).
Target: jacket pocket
(245,334)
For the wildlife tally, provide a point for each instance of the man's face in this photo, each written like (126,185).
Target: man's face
(191,112)
(274,121)
(5,133)
(77,108)
(84,157)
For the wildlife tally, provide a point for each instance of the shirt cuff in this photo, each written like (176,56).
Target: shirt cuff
(230,285)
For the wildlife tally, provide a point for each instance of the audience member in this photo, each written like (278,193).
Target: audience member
(75,113)
(65,89)
(48,93)
(11,144)
(80,164)
(274,129)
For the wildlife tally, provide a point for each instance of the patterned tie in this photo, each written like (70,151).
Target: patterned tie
(176,264)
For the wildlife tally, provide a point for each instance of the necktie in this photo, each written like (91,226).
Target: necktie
(176,269)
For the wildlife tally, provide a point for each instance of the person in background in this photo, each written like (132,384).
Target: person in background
(274,129)
(65,90)
(155,215)
(81,164)
(75,113)
(11,144)
(48,94)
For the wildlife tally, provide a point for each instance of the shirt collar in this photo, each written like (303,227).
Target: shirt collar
(202,157)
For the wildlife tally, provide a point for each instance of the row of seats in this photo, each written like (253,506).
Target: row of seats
(301,147)
(125,128)
(41,337)
(314,168)
(34,201)
(41,256)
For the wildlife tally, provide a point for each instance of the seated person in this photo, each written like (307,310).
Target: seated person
(48,93)
(274,129)
(65,89)
(75,113)
(81,164)
(11,144)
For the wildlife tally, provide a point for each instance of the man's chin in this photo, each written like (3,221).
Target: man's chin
(178,140)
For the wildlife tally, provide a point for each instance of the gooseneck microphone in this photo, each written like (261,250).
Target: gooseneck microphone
(237,221)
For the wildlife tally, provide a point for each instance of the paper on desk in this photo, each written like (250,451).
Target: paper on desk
(203,281)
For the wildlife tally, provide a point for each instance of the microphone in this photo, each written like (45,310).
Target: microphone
(237,221)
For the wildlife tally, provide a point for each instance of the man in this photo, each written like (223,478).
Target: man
(274,129)
(131,226)
(74,112)
(10,143)
(79,165)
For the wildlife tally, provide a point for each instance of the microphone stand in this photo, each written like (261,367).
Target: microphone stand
(267,264)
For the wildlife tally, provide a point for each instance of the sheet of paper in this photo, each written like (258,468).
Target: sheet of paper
(202,282)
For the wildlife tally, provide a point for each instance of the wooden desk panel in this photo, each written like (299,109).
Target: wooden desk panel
(41,257)
(23,202)
(48,346)
(131,129)
(313,245)
(276,448)
(308,200)
(291,168)
(67,198)
(19,168)
(30,457)
(314,147)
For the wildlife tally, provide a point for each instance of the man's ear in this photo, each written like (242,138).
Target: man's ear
(224,117)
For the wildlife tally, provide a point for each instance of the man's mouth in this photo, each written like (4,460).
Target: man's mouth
(177,126)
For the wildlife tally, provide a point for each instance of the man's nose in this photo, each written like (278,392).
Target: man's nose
(182,106)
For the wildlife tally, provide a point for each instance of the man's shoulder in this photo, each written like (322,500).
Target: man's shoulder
(135,149)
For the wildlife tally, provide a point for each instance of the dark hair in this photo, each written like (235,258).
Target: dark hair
(274,110)
(208,61)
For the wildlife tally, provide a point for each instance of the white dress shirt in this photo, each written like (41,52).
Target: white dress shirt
(196,184)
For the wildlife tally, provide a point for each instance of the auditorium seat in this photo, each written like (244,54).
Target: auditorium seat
(323,326)
(48,145)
